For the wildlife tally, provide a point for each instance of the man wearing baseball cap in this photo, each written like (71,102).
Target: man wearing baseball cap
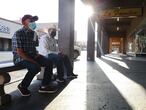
(24,43)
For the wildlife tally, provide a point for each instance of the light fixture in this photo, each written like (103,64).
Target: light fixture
(132,16)
(118,19)
(118,28)
(89,10)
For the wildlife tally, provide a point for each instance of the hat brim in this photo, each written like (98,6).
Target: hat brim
(34,18)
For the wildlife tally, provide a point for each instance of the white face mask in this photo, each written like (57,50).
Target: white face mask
(32,25)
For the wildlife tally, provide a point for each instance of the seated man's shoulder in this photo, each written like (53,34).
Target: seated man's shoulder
(20,30)
(44,37)
(17,32)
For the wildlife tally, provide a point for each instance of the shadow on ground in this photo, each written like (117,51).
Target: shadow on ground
(136,69)
(36,101)
(101,93)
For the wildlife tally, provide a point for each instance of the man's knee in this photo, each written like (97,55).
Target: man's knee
(65,56)
(48,63)
(35,68)
(60,61)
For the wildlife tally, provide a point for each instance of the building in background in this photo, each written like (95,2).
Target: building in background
(7,29)
(42,28)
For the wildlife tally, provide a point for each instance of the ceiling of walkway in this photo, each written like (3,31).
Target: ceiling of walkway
(116,15)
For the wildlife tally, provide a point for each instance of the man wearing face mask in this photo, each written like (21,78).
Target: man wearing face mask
(48,46)
(24,43)
(44,50)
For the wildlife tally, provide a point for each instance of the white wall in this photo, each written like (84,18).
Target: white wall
(10,28)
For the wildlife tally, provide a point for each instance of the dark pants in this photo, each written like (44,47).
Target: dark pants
(62,62)
(33,69)
(67,64)
(58,63)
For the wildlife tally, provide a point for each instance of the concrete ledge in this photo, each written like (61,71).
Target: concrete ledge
(4,98)
(5,78)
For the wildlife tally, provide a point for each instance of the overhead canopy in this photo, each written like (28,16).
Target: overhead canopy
(116,15)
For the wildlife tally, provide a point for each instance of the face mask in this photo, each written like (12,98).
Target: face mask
(32,25)
(53,33)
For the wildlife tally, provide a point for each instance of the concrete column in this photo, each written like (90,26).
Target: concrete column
(104,42)
(91,40)
(98,53)
(66,25)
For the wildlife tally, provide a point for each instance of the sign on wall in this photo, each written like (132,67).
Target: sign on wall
(4,29)
(121,12)
(8,28)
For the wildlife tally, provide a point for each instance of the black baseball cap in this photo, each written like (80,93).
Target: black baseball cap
(32,18)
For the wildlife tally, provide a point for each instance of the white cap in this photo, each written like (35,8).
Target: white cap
(53,26)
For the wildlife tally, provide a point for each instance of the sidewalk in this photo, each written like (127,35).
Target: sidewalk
(112,82)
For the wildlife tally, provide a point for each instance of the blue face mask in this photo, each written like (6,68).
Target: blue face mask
(32,25)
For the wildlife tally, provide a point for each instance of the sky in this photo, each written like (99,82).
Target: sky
(47,11)
(14,9)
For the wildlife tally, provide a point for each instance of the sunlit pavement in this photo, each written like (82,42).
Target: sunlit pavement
(113,82)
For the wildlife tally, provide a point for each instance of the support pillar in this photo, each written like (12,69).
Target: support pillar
(91,40)
(104,42)
(66,25)
(98,54)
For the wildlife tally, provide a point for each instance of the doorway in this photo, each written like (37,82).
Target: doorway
(116,45)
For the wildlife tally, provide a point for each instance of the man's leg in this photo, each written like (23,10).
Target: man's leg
(41,74)
(45,62)
(68,66)
(47,85)
(58,63)
(33,69)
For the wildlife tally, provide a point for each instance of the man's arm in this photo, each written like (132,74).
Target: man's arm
(19,47)
(43,45)
(22,54)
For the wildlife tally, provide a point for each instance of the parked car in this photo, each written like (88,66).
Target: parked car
(77,52)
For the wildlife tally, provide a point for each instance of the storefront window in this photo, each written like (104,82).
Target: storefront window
(5,50)
(130,47)
(140,44)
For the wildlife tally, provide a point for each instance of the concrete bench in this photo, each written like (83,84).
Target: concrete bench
(5,78)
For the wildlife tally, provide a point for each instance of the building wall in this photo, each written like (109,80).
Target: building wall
(7,29)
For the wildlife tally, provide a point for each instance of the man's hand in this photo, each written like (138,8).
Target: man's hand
(22,54)
(61,54)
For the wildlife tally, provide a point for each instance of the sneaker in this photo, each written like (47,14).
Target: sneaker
(47,89)
(61,80)
(24,91)
(72,76)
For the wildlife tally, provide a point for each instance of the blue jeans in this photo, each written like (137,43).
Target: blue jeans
(67,64)
(33,69)
(62,62)
(58,63)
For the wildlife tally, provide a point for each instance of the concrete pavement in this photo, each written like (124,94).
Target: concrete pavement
(113,82)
